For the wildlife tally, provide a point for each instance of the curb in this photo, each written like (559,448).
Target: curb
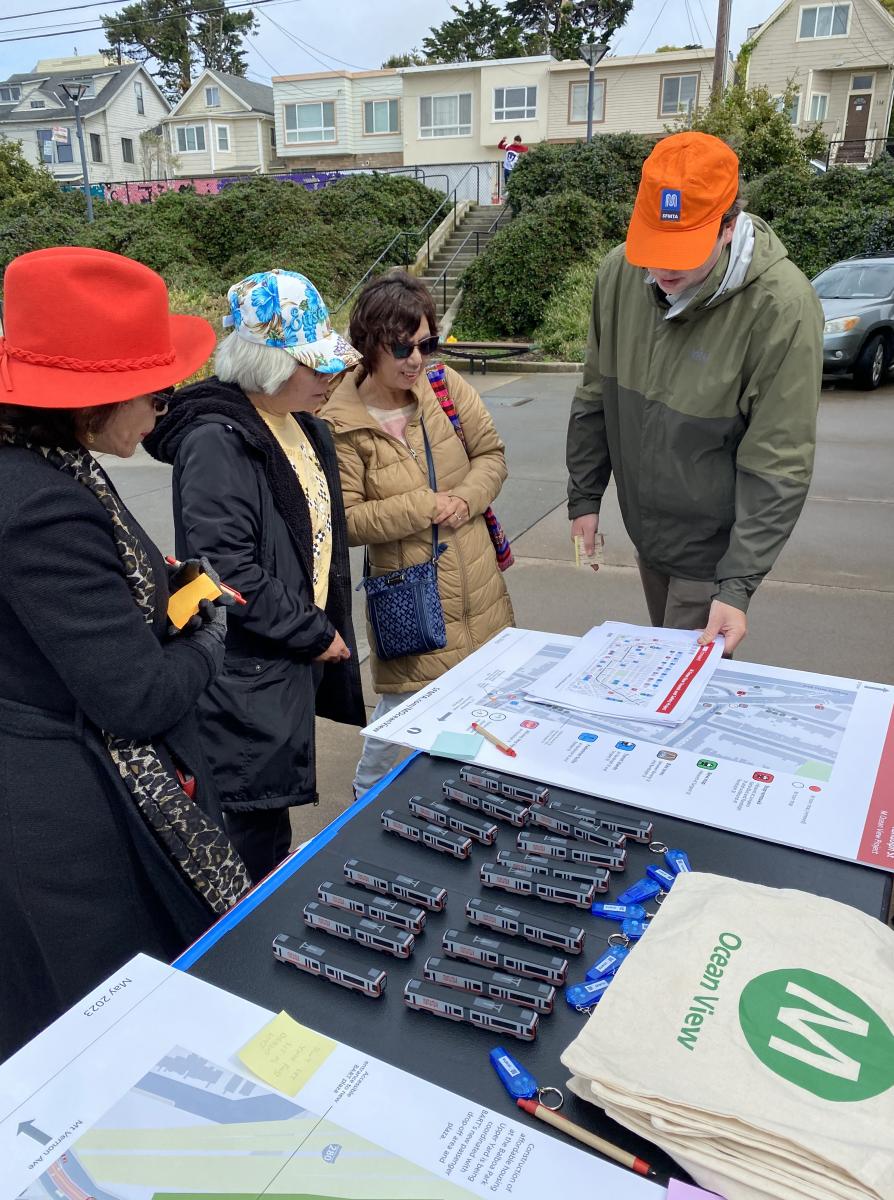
(508,366)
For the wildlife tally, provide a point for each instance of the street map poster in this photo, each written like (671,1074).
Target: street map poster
(138,1092)
(792,757)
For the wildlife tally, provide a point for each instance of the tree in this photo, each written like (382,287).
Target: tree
(482,30)
(668,49)
(179,37)
(413,58)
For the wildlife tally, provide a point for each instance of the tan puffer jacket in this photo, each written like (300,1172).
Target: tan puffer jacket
(390,507)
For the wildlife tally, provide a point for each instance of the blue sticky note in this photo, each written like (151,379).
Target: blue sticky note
(462,746)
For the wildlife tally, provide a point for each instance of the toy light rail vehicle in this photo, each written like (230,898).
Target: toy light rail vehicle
(584,830)
(531,927)
(532,842)
(393,883)
(328,965)
(499,785)
(342,895)
(457,819)
(494,806)
(495,984)
(520,960)
(525,882)
(627,827)
(476,1010)
(544,865)
(432,836)
(376,935)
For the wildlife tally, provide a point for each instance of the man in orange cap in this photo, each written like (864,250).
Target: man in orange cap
(700,391)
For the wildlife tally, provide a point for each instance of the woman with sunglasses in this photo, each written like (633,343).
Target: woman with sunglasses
(256,490)
(110,838)
(381,416)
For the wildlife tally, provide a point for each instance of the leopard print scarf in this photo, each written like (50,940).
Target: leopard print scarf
(199,849)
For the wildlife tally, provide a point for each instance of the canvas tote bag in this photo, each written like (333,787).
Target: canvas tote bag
(750,1034)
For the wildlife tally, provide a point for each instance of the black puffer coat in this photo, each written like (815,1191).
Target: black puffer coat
(238,501)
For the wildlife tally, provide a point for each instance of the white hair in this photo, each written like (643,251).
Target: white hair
(255,368)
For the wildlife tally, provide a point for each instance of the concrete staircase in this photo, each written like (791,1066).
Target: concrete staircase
(478,220)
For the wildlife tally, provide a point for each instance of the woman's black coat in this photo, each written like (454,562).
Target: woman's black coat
(84,885)
(237,501)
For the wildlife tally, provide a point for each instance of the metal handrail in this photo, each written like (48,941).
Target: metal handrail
(449,199)
(865,142)
(476,234)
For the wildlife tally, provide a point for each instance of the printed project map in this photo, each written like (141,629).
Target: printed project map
(802,759)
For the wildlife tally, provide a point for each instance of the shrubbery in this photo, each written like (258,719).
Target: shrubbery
(566,320)
(506,290)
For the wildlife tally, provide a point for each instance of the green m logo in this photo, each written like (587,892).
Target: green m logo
(817,1034)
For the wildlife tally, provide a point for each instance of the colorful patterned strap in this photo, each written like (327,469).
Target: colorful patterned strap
(437,379)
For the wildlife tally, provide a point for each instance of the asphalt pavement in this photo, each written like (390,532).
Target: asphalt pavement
(828,605)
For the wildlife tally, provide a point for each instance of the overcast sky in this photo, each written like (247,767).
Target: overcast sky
(355,33)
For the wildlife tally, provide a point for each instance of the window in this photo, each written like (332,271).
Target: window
(679,94)
(138,95)
(127,150)
(10,93)
(380,116)
(54,152)
(819,106)
(515,103)
(96,147)
(310,122)
(38,104)
(862,83)
(223,138)
(272,137)
(190,138)
(825,20)
(212,97)
(445,116)
(577,101)
(790,110)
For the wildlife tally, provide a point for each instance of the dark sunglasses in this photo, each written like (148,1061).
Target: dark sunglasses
(161,399)
(404,349)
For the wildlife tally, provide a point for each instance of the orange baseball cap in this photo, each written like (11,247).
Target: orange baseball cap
(688,183)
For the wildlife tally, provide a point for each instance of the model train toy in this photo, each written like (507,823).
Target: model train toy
(375,935)
(475,1010)
(328,964)
(431,836)
(396,884)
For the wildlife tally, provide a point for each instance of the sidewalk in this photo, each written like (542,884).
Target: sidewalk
(827,607)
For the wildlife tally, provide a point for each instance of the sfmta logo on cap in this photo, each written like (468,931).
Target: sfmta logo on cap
(670,204)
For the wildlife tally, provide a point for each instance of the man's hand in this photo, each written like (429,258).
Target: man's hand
(586,527)
(336,651)
(731,622)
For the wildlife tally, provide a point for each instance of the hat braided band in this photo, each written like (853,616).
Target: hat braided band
(92,365)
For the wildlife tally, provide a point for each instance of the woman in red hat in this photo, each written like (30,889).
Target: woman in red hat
(109,830)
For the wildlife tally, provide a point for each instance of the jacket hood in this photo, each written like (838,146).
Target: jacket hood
(205,399)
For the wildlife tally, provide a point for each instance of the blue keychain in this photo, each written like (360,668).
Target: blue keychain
(608,964)
(634,930)
(642,890)
(586,995)
(618,912)
(520,1083)
(678,861)
(662,876)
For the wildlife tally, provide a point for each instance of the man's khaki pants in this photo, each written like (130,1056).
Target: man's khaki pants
(676,603)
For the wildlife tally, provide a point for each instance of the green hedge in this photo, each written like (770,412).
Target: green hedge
(507,289)
(566,319)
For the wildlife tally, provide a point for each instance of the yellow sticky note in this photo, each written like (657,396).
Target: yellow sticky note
(286,1054)
(185,602)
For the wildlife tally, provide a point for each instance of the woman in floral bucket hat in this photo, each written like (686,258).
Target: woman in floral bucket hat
(256,489)
(110,841)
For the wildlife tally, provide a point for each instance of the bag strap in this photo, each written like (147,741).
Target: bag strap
(433,484)
(437,377)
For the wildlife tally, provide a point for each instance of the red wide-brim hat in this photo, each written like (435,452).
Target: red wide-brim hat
(84,327)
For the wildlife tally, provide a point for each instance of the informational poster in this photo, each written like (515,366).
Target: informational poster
(629,673)
(793,757)
(141,1091)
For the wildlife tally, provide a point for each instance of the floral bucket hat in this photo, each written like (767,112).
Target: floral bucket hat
(285,310)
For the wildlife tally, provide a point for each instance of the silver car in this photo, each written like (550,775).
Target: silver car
(857,296)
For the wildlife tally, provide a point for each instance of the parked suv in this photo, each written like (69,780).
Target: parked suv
(857,296)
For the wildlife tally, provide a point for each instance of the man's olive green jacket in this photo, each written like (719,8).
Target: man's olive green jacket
(707,420)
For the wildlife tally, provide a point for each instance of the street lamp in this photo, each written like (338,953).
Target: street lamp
(75,91)
(592,53)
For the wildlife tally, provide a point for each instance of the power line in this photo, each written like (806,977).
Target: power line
(91,28)
(307,48)
(42,12)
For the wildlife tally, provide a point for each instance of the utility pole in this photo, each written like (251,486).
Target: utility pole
(592,53)
(74,91)
(721,46)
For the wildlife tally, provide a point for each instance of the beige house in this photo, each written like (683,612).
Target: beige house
(119,104)
(223,126)
(335,119)
(840,56)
